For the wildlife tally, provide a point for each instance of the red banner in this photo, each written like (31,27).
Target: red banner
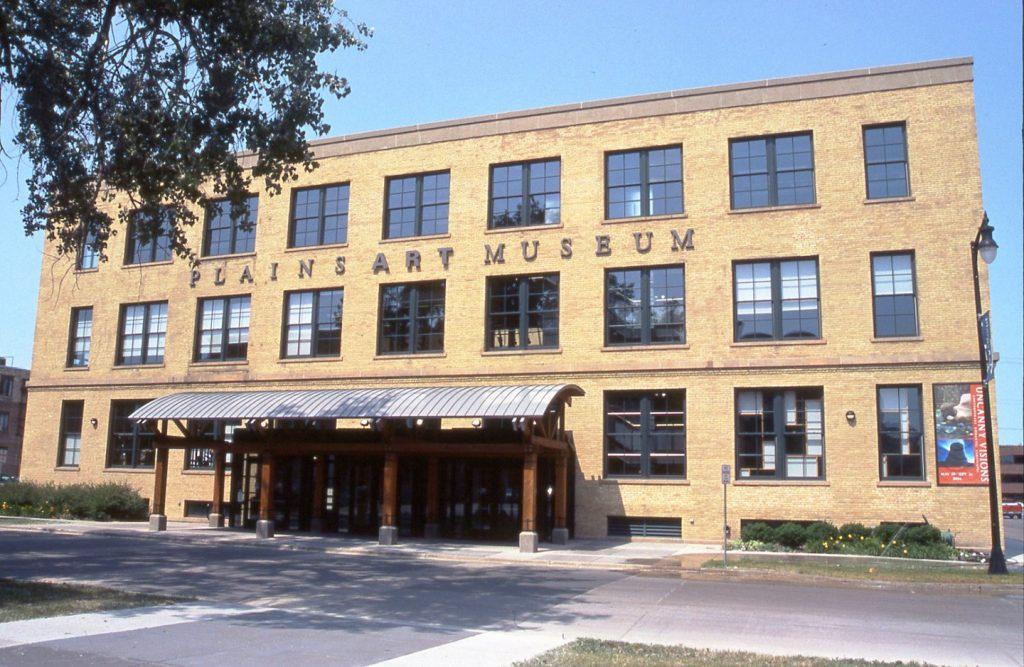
(961,434)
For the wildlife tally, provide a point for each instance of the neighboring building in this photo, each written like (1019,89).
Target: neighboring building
(1011,467)
(563,319)
(12,416)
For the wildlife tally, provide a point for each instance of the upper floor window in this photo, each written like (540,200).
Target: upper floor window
(319,216)
(777,300)
(417,205)
(88,255)
(895,294)
(526,193)
(885,161)
(5,422)
(149,240)
(227,234)
(80,342)
(411,318)
(644,182)
(772,171)
(522,312)
(313,323)
(900,433)
(143,334)
(223,329)
(645,306)
(645,433)
(6,385)
(131,443)
(69,448)
(780,433)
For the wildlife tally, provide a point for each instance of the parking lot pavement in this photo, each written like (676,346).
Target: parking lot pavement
(1014,538)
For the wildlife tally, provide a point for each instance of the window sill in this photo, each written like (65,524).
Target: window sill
(218,364)
(645,218)
(230,255)
(650,347)
(131,471)
(411,355)
(514,352)
(66,468)
(134,367)
(75,369)
(889,200)
(188,471)
(781,482)
(898,339)
(762,343)
(96,270)
(616,481)
(416,239)
(309,360)
(912,484)
(770,209)
(523,229)
(166,262)
(310,248)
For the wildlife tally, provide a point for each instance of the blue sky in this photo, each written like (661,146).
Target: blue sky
(452,59)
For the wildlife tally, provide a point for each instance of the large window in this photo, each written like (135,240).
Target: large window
(313,323)
(885,161)
(131,444)
(70,446)
(143,334)
(229,235)
(780,433)
(417,205)
(900,433)
(5,422)
(202,458)
(645,433)
(772,171)
(411,318)
(80,342)
(522,312)
(88,255)
(645,306)
(644,182)
(6,385)
(526,193)
(319,216)
(895,294)
(149,240)
(223,329)
(777,300)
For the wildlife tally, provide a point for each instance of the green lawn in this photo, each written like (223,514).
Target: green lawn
(901,571)
(593,652)
(20,600)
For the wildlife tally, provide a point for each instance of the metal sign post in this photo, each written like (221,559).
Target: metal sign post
(726,478)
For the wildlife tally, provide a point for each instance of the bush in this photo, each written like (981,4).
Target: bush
(100,502)
(854,530)
(757,531)
(922,535)
(820,531)
(885,531)
(791,535)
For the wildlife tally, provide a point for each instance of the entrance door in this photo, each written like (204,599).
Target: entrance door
(354,488)
(293,492)
(481,499)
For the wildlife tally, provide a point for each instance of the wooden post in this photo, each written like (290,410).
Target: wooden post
(388,532)
(560,534)
(265,525)
(432,529)
(316,523)
(528,536)
(158,517)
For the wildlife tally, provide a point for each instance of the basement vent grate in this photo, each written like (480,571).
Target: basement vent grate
(645,526)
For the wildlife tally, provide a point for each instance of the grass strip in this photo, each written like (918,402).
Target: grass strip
(20,600)
(903,572)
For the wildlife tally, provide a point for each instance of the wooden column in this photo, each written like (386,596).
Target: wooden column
(158,517)
(316,523)
(388,532)
(217,506)
(265,525)
(529,511)
(561,491)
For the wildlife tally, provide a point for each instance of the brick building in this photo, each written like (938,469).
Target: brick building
(12,416)
(1011,458)
(775,276)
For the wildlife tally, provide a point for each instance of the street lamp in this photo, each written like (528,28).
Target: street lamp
(986,246)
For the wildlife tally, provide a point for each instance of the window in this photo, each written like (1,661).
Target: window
(70,446)
(645,182)
(131,444)
(522,312)
(411,318)
(88,256)
(223,329)
(202,458)
(5,422)
(81,337)
(777,300)
(780,433)
(149,240)
(645,434)
(319,216)
(772,171)
(227,235)
(900,433)
(885,161)
(645,306)
(143,334)
(527,193)
(417,205)
(6,385)
(895,295)
(313,323)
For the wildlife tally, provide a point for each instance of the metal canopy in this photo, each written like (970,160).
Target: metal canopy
(398,402)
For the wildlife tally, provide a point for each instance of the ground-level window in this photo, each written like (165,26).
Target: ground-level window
(70,446)
(645,433)
(198,509)
(900,432)
(777,300)
(143,332)
(223,329)
(130,444)
(313,323)
(645,306)
(522,312)
(780,433)
(411,318)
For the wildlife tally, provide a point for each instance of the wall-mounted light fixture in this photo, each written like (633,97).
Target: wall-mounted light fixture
(364,422)
(851,417)
(477,423)
(419,422)
(94,422)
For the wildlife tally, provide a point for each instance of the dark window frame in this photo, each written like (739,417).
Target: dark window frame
(315,324)
(645,182)
(778,416)
(414,295)
(88,251)
(146,323)
(922,442)
(322,215)
(523,312)
(906,159)
(235,228)
(5,423)
(645,306)
(773,183)
(646,432)
(6,385)
(418,223)
(526,193)
(73,338)
(62,448)
(130,246)
(225,329)
(206,455)
(874,292)
(776,278)
(137,433)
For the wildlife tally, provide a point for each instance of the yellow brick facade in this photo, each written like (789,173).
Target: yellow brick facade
(842,229)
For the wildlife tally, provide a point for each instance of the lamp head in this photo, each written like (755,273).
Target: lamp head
(987,245)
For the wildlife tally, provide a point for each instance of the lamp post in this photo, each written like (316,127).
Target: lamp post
(986,246)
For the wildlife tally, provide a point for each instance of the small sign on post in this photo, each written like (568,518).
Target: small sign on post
(726,479)
(985,323)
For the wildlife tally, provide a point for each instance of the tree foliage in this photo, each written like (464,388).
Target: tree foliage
(155,99)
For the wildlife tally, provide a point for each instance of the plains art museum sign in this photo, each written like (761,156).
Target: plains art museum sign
(642,244)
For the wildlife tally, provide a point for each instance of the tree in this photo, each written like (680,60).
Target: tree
(155,99)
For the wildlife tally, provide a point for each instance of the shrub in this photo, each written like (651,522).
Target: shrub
(820,531)
(854,530)
(885,531)
(101,502)
(922,535)
(791,535)
(757,531)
